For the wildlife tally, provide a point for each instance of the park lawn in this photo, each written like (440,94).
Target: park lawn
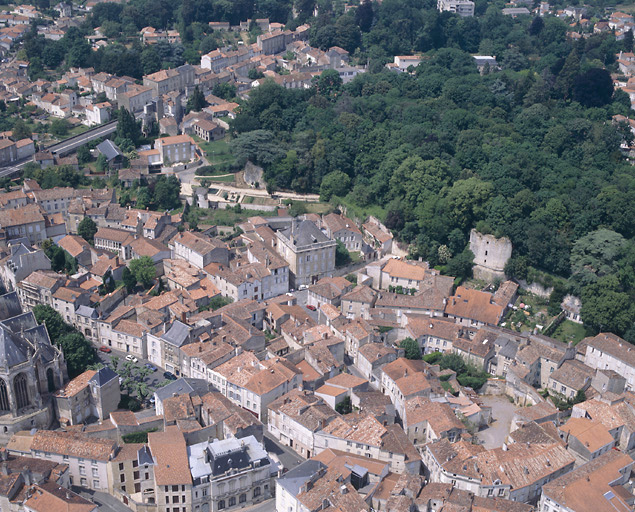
(76,130)
(218,179)
(569,331)
(319,208)
(628,8)
(356,257)
(216,152)
(360,212)
(227,217)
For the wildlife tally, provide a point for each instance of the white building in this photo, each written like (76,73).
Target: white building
(87,458)
(254,384)
(230,474)
(460,7)
(606,351)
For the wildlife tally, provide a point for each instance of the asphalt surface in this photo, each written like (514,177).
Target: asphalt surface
(502,413)
(265,506)
(152,380)
(105,501)
(285,455)
(71,144)
(302,297)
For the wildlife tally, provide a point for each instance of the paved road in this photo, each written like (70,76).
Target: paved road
(8,171)
(287,457)
(71,144)
(189,180)
(105,501)
(265,506)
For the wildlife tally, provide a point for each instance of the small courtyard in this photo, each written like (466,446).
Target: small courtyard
(502,413)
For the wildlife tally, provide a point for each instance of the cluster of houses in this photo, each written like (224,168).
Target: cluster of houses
(86,97)
(296,368)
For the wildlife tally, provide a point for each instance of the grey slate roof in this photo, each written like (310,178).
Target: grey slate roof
(12,350)
(227,454)
(178,334)
(109,149)
(21,322)
(305,233)
(103,376)
(294,479)
(144,456)
(508,348)
(9,305)
(86,311)
(182,386)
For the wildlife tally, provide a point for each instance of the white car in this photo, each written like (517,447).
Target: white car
(132,358)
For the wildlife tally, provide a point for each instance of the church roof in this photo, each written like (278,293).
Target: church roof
(12,350)
(9,305)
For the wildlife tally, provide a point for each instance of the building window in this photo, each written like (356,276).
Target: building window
(95,484)
(121,466)
(83,482)
(221,504)
(82,470)
(135,475)
(242,498)
(232,501)
(256,492)
(95,472)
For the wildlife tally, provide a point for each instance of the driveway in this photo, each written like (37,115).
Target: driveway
(502,413)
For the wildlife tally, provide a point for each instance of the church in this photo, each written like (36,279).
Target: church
(31,370)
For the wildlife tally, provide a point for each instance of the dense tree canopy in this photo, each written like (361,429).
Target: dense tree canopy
(528,152)
(78,351)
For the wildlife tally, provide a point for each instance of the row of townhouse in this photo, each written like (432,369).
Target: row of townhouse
(170,473)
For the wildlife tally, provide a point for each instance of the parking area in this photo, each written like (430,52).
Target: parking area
(502,413)
(302,297)
(152,381)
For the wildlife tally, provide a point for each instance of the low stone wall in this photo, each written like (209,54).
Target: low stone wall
(536,288)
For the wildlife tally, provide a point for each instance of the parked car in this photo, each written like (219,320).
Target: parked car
(106,349)
(311,307)
(132,358)
(151,367)
(169,375)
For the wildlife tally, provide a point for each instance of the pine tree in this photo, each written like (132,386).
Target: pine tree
(196,102)
(568,73)
(628,41)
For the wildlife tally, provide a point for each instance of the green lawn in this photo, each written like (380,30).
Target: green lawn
(216,152)
(360,212)
(569,331)
(81,128)
(628,7)
(218,179)
(223,217)
(319,208)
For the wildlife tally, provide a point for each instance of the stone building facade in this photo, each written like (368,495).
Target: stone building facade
(490,255)
(31,368)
